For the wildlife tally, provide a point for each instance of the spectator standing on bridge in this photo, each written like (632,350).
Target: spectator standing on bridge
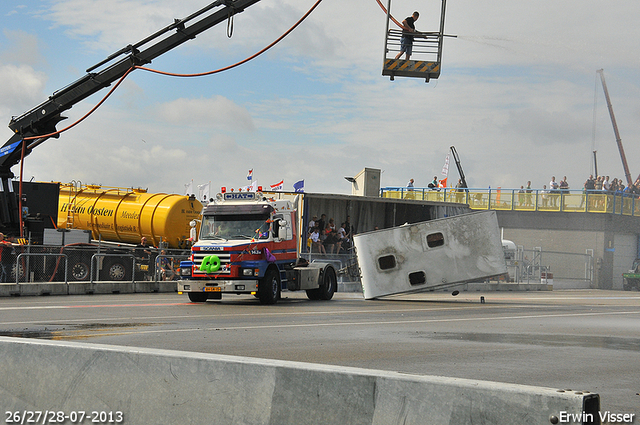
(528,196)
(553,188)
(589,187)
(590,184)
(598,183)
(406,41)
(460,191)
(564,189)
(544,194)
(521,196)
(410,185)
(410,189)
(434,183)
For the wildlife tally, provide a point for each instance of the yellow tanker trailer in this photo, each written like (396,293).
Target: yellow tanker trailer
(126,215)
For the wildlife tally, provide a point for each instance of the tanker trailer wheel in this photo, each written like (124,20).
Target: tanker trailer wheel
(115,271)
(19,269)
(269,287)
(328,286)
(197,297)
(80,271)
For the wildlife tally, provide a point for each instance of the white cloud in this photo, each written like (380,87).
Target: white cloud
(217,112)
(24,90)
(21,47)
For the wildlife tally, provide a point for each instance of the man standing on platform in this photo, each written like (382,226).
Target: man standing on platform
(406,42)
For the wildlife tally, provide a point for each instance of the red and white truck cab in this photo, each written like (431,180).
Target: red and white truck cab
(249,244)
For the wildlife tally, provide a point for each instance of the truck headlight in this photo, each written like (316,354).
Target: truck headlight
(250,272)
(184,271)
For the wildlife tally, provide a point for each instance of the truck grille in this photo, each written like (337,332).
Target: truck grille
(225,260)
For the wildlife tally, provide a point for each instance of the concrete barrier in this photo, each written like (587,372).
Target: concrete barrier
(150,386)
(84,288)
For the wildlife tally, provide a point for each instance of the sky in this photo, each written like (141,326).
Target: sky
(518,95)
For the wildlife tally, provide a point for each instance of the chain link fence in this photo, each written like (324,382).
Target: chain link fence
(87,263)
(536,265)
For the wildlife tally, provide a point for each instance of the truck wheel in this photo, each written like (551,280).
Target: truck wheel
(329,284)
(327,287)
(19,269)
(197,297)
(269,287)
(116,271)
(80,271)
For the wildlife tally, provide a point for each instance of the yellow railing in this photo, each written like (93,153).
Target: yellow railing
(515,200)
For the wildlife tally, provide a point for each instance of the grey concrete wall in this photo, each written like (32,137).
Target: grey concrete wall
(167,387)
(576,232)
(83,288)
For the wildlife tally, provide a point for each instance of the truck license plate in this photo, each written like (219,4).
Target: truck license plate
(212,289)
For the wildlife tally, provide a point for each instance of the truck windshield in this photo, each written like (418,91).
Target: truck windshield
(227,227)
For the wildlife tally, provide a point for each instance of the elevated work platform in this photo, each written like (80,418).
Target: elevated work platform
(426,50)
(411,68)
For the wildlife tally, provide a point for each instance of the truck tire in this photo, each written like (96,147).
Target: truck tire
(327,287)
(115,271)
(197,297)
(80,271)
(19,269)
(269,287)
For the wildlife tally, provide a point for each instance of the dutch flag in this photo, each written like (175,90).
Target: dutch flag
(250,175)
(277,186)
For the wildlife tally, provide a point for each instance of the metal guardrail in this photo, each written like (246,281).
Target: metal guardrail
(525,266)
(165,267)
(527,200)
(425,44)
(25,271)
(96,270)
(67,267)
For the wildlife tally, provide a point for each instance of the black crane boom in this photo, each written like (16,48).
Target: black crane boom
(42,119)
(456,158)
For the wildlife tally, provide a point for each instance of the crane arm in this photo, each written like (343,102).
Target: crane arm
(623,157)
(456,158)
(42,119)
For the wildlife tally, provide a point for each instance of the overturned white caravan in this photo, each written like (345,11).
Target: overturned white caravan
(430,255)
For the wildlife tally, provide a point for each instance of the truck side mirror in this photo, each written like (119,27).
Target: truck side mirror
(281,230)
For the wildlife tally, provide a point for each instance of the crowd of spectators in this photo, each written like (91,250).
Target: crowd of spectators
(327,238)
(593,184)
(603,183)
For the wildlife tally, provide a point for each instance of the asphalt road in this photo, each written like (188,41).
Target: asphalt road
(580,340)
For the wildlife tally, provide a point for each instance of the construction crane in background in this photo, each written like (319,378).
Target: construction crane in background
(456,158)
(625,165)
